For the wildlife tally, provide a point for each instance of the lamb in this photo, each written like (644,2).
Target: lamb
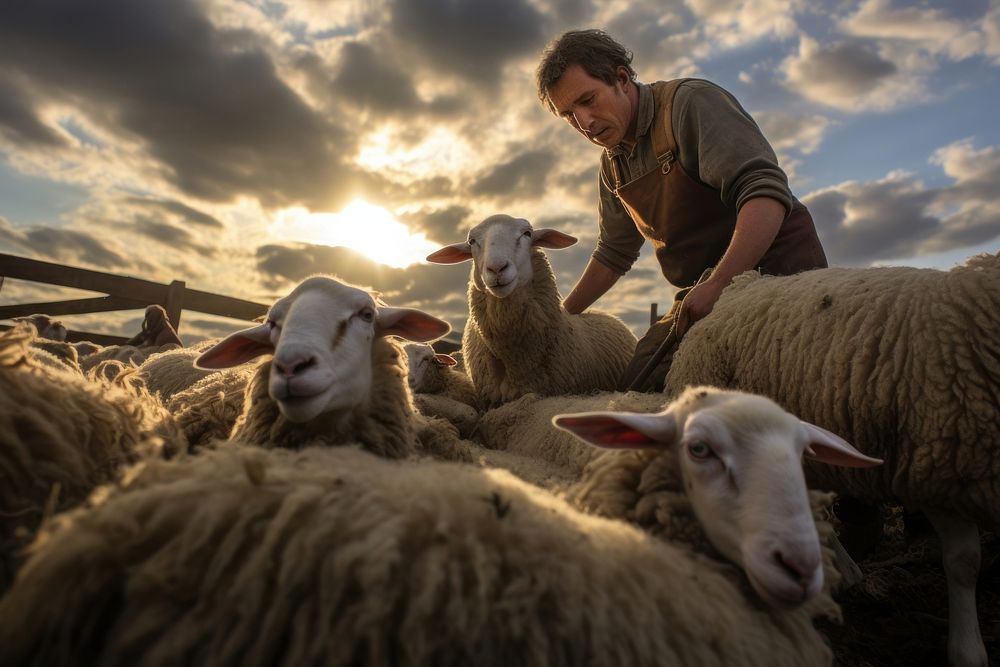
(335,373)
(45,326)
(60,436)
(731,458)
(910,366)
(335,556)
(156,330)
(518,338)
(439,390)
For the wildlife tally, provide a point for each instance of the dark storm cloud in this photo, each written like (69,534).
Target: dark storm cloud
(207,104)
(65,246)
(849,68)
(18,122)
(469,38)
(182,211)
(169,235)
(524,176)
(446,225)
(363,79)
(862,223)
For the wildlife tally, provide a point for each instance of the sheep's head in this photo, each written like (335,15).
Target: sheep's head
(741,460)
(500,248)
(426,366)
(321,337)
(45,326)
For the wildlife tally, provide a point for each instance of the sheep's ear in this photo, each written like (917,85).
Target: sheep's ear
(828,447)
(451,254)
(409,323)
(237,348)
(621,430)
(445,359)
(551,238)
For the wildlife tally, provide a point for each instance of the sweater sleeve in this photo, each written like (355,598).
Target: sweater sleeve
(721,145)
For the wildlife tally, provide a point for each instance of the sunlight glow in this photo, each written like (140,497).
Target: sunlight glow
(366,228)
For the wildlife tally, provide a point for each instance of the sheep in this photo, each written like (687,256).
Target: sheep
(45,326)
(440,391)
(336,556)
(734,460)
(156,331)
(904,363)
(60,436)
(172,371)
(335,373)
(523,427)
(518,338)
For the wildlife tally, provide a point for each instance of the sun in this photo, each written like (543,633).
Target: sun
(371,230)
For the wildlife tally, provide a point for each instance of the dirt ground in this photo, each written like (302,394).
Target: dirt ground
(898,616)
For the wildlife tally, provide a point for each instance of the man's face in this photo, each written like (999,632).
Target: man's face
(604,114)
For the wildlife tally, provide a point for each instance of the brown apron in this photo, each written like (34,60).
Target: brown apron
(690,228)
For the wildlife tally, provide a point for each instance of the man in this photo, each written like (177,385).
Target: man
(684,166)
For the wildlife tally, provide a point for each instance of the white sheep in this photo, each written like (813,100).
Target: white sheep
(738,459)
(518,338)
(439,390)
(172,371)
(904,363)
(45,326)
(245,556)
(60,436)
(335,373)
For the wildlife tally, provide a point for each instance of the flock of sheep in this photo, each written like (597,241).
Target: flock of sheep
(325,488)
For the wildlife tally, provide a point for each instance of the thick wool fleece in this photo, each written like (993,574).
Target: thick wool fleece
(526,343)
(902,362)
(60,436)
(524,426)
(245,556)
(171,372)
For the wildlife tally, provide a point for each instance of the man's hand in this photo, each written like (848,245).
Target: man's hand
(698,303)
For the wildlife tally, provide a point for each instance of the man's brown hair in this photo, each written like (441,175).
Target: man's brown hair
(594,50)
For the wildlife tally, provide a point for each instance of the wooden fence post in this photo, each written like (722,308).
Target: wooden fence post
(175,303)
(653,316)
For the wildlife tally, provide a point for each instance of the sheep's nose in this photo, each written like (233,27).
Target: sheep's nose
(294,365)
(799,568)
(497,267)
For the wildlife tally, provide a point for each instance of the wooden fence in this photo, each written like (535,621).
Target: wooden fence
(123,293)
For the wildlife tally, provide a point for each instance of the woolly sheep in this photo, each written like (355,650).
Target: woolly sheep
(518,338)
(335,373)
(334,556)
(45,326)
(60,436)
(439,390)
(156,331)
(739,458)
(904,363)
(172,371)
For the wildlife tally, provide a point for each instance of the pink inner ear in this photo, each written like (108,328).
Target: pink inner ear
(605,431)
(827,447)
(233,351)
(445,359)
(451,254)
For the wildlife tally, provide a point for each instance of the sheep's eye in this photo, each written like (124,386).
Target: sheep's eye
(699,449)
(527,233)
(271,324)
(472,241)
(367,315)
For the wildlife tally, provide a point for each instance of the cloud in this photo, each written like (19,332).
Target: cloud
(206,105)
(899,217)
(524,176)
(793,132)
(930,29)
(448,224)
(66,246)
(847,75)
(364,79)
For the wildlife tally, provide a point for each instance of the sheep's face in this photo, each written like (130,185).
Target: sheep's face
(426,368)
(322,341)
(741,461)
(500,248)
(321,337)
(501,254)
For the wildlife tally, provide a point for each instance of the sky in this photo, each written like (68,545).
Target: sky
(241,146)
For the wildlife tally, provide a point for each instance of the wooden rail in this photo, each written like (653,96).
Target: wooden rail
(123,293)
